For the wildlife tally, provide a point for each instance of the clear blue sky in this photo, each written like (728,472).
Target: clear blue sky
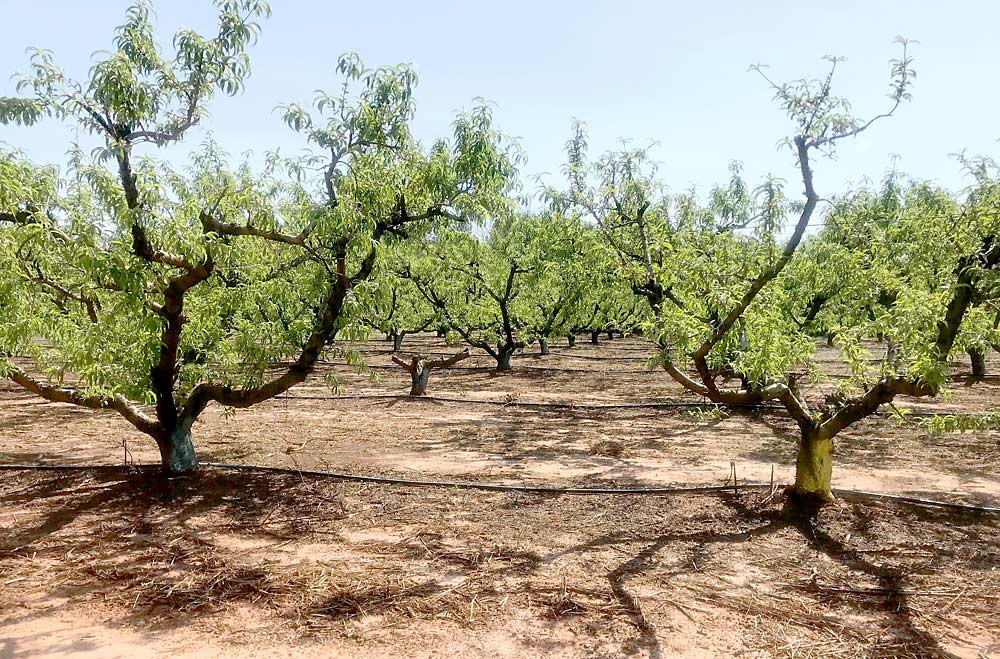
(673,72)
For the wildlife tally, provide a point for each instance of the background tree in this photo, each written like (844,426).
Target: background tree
(822,121)
(397,308)
(476,288)
(559,252)
(420,366)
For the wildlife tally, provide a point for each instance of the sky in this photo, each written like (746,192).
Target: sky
(673,73)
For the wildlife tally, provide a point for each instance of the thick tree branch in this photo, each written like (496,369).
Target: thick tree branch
(699,355)
(228,229)
(119,403)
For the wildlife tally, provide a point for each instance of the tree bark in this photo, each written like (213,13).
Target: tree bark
(611,335)
(814,465)
(419,367)
(595,337)
(571,339)
(177,453)
(397,341)
(503,358)
(419,377)
(891,352)
(544,345)
(978,358)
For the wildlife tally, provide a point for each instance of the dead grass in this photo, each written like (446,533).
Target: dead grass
(609,448)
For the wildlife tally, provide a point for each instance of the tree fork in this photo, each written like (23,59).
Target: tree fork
(419,367)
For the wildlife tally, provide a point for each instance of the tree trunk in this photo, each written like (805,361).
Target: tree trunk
(544,344)
(177,454)
(420,376)
(503,359)
(978,358)
(814,466)
(595,337)
(611,335)
(891,352)
(397,342)
(829,340)
(571,338)
(441,332)
(420,366)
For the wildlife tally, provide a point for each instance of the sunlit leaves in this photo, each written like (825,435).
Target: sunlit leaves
(946,423)
(823,118)
(133,93)
(20,111)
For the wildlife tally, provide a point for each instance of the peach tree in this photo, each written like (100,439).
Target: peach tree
(155,291)
(715,274)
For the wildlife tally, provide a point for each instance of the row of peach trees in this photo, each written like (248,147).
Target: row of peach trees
(134,285)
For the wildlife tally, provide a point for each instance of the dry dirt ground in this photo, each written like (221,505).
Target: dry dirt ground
(116,562)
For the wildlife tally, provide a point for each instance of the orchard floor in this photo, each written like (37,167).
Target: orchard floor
(113,562)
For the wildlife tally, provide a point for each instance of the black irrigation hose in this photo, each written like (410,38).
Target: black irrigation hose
(384,480)
(916,501)
(489,487)
(955,377)
(536,404)
(523,356)
(592,406)
(527,489)
(775,409)
(513,371)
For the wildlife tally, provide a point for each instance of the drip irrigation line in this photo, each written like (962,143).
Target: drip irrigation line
(527,403)
(385,480)
(522,356)
(955,377)
(527,489)
(597,406)
(513,371)
(596,358)
(916,501)
(488,487)
(774,409)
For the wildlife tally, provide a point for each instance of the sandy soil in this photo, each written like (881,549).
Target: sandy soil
(113,562)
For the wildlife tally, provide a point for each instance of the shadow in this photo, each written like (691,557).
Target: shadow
(415,400)
(883,531)
(143,539)
(168,550)
(567,436)
(890,596)
(760,522)
(32,412)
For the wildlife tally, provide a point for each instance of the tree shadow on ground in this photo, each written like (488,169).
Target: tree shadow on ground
(126,534)
(35,413)
(529,434)
(136,534)
(891,597)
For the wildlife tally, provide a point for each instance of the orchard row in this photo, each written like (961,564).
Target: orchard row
(131,284)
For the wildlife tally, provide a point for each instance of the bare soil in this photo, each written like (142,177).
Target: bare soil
(118,562)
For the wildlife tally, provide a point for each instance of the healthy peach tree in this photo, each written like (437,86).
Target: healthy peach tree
(155,291)
(522,282)
(714,274)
